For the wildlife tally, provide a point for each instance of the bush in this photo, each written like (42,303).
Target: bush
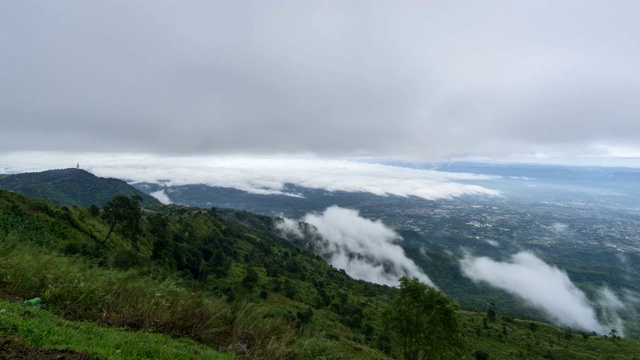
(72,247)
(127,259)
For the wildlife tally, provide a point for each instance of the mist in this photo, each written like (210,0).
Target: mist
(547,288)
(365,249)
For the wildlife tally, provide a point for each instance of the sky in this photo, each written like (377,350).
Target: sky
(553,81)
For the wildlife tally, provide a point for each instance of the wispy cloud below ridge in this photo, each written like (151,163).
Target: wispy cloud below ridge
(365,249)
(162,196)
(546,288)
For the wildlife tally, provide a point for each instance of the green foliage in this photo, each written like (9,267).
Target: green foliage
(94,210)
(204,258)
(78,290)
(43,329)
(292,304)
(547,341)
(251,279)
(72,247)
(304,317)
(123,214)
(321,349)
(491,314)
(423,323)
(127,259)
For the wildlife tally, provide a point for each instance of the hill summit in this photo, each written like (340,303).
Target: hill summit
(71,187)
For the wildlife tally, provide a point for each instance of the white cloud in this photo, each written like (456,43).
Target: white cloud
(259,175)
(290,228)
(543,286)
(492,242)
(365,249)
(625,302)
(161,196)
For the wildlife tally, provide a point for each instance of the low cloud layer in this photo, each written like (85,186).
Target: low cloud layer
(259,175)
(365,249)
(546,288)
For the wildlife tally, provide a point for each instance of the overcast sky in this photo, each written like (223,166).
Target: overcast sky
(427,80)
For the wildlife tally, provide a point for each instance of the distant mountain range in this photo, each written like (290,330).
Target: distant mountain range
(71,187)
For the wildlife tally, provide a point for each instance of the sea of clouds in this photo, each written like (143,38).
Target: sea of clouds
(258,175)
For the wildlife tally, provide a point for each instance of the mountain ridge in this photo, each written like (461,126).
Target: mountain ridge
(72,186)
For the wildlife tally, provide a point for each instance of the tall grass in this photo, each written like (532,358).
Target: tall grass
(78,290)
(319,349)
(265,334)
(43,329)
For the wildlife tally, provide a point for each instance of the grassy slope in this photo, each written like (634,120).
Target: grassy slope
(150,296)
(42,328)
(522,339)
(34,235)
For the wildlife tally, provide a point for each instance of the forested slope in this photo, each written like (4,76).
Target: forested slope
(224,279)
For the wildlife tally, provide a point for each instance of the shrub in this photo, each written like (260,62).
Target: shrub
(126,259)
(72,247)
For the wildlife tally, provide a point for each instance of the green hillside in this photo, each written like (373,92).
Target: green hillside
(70,187)
(224,280)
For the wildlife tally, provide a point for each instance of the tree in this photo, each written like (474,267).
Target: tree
(251,278)
(162,248)
(304,317)
(491,314)
(422,323)
(94,210)
(124,214)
